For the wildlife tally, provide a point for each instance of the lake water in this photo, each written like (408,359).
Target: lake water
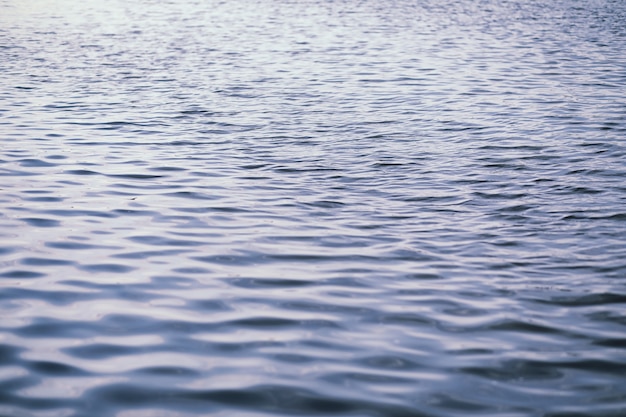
(278,208)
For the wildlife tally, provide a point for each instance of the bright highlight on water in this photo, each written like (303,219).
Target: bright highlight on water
(313,208)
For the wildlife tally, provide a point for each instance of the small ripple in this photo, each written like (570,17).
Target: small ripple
(594,365)
(45,262)
(41,222)
(229,260)
(44,199)
(587,300)
(209,305)
(520,326)
(7,250)
(51,328)
(193,195)
(268,283)
(135,176)
(81,172)
(49,368)
(169,169)
(68,245)
(150,254)
(113,268)
(9,354)
(168,371)
(513,370)
(406,319)
(192,270)
(449,402)
(163,241)
(612,343)
(35,163)
(259,398)
(173,281)
(58,297)
(389,362)
(22,274)
(80,213)
(99,351)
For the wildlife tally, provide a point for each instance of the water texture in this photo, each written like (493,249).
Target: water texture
(311,208)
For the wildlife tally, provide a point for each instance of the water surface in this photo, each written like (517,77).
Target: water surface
(351,208)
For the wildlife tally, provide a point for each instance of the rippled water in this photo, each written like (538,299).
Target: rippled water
(272,207)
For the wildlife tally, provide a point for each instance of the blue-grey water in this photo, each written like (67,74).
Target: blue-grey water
(311,208)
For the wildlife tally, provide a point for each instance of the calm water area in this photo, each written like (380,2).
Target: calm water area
(357,208)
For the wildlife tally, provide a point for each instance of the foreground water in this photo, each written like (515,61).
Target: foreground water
(263,208)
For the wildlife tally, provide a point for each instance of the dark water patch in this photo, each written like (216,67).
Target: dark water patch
(45,262)
(234,349)
(45,199)
(81,172)
(366,378)
(233,260)
(73,245)
(99,351)
(16,173)
(147,186)
(111,291)
(521,326)
(595,365)
(42,222)
(304,257)
(449,402)
(607,317)
(612,343)
(9,354)
(45,327)
(168,169)
(513,370)
(35,163)
(263,322)
(587,300)
(405,319)
(21,274)
(220,209)
(605,412)
(192,270)
(338,309)
(210,305)
(15,384)
(390,362)
(6,250)
(149,254)
(267,283)
(279,399)
(164,241)
(169,372)
(108,267)
(517,208)
(79,213)
(135,176)
(173,281)
(58,297)
(193,195)
(586,216)
(615,216)
(138,213)
(254,166)
(49,368)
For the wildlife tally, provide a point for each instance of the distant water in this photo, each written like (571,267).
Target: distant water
(311,208)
